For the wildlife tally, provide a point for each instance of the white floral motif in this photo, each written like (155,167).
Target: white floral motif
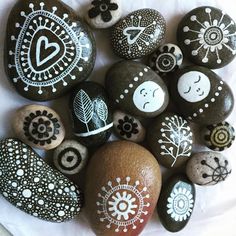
(122,205)
(180,204)
(176,132)
(213,36)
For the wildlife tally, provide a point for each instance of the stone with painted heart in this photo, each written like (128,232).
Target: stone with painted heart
(170,139)
(201,95)
(48,49)
(31,185)
(136,89)
(207,36)
(91,114)
(176,203)
(138,34)
(128,127)
(38,126)
(123,183)
(208,168)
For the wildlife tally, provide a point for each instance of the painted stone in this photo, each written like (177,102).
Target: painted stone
(201,95)
(31,185)
(91,114)
(128,127)
(4,231)
(138,34)
(136,89)
(207,36)
(123,183)
(104,13)
(70,157)
(219,137)
(38,126)
(208,168)
(166,59)
(49,49)
(170,139)
(176,202)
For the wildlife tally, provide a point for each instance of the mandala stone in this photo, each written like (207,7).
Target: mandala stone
(138,34)
(208,168)
(170,139)
(34,187)
(136,89)
(48,49)
(91,114)
(123,183)
(201,95)
(207,36)
(176,202)
(38,126)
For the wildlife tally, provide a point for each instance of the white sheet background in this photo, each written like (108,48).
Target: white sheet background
(215,209)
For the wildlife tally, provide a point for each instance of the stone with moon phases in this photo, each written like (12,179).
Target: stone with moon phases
(138,34)
(91,114)
(31,185)
(176,203)
(136,89)
(48,49)
(201,95)
(123,183)
(207,36)
(38,126)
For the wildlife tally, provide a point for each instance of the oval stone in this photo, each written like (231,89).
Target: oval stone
(137,89)
(202,96)
(207,36)
(34,187)
(128,127)
(38,126)
(91,114)
(176,203)
(138,34)
(70,157)
(208,168)
(123,183)
(170,139)
(48,49)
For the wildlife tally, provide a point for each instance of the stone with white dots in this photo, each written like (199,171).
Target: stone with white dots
(49,49)
(201,95)
(33,186)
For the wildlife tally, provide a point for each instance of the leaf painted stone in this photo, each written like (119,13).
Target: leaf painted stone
(136,89)
(48,49)
(123,183)
(176,202)
(201,95)
(91,114)
(170,139)
(208,168)
(38,126)
(138,34)
(31,185)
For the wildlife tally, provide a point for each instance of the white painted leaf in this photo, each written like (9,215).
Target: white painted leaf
(102,110)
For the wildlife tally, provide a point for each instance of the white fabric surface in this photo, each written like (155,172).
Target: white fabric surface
(215,209)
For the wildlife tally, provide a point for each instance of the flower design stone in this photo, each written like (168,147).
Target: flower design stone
(127,127)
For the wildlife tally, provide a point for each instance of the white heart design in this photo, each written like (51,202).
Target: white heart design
(47,45)
(133,33)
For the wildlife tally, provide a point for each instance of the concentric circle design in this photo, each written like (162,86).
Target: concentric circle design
(213,35)
(166,62)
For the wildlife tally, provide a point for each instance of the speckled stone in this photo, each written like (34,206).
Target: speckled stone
(48,49)
(136,89)
(138,34)
(166,59)
(176,203)
(70,157)
(38,126)
(171,140)
(208,168)
(201,95)
(207,36)
(128,127)
(31,185)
